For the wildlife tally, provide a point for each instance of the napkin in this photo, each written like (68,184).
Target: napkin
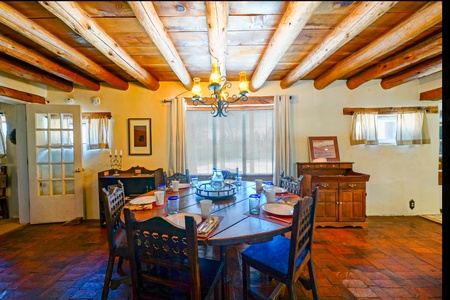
(209,228)
(141,207)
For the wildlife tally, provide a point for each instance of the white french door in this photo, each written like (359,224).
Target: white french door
(54,163)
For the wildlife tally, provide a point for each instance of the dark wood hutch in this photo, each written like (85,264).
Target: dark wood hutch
(342,192)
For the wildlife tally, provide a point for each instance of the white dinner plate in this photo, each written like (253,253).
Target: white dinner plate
(183,185)
(279,190)
(278,209)
(143,200)
(178,219)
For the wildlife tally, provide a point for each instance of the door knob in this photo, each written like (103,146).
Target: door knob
(78,170)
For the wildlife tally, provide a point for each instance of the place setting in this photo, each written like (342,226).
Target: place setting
(141,203)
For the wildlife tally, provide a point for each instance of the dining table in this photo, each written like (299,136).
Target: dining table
(236,225)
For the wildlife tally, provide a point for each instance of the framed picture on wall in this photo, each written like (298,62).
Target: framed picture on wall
(323,148)
(139,136)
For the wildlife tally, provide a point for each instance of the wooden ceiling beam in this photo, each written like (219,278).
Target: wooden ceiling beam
(421,70)
(429,48)
(423,19)
(217,22)
(146,14)
(41,77)
(360,18)
(27,55)
(294,20)
(36,33)
(19,95)
(431,95)
(76,18)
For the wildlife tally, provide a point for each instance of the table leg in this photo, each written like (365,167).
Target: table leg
(225,283)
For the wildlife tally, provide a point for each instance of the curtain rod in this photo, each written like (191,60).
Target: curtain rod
(96,114)
(390,110)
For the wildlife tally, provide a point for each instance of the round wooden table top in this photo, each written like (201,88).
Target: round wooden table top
(236,224)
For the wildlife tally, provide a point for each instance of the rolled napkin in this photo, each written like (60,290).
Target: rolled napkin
(141,207)
(205,229)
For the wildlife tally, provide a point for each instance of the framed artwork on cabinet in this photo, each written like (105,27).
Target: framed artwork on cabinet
(139,136)
(323,148)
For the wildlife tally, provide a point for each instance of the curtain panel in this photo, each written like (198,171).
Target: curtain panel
(364,129)
(412,128)
(98,133)
(282,136)
(177,137)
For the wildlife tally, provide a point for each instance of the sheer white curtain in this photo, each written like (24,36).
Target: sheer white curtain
(364,129)
(243,140)
(282,136)
(98,132)
(412,128)
(177,137)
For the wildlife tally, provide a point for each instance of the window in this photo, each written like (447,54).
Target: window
(386,127)
(401,126)
(95,130)
(243,139)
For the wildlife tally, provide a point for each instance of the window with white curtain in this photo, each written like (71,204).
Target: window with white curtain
(243,139)
(96,131)
(401,128)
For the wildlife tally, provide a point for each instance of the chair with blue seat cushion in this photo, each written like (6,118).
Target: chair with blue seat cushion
(284,259)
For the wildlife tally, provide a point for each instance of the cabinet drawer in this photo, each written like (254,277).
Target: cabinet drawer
(328,185)
(306,166)
(345,166)
(352,185)
(326,166)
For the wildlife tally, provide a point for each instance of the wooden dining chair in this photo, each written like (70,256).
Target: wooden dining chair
(284,259)
(164,261)
(182,178)
(295,186)
(113,203)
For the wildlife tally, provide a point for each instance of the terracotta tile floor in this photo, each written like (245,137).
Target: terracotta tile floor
(396,258)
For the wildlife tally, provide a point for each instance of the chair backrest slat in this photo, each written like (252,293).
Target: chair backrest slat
(302,229)
(113,202)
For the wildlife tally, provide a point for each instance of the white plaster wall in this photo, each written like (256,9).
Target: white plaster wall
(397,174)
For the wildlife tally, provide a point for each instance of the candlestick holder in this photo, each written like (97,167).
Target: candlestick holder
(116,163)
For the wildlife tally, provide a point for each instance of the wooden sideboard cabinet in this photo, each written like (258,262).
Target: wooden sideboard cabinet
(342,193)
(136,181)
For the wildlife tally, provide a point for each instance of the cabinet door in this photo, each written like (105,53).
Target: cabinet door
(327,208)
(352,202)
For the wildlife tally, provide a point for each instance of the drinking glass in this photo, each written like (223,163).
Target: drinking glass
(253,204)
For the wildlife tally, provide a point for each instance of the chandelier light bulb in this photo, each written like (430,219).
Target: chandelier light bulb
(214,78)
(243,83)
(197,89)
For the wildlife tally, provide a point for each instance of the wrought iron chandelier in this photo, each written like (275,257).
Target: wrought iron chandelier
(220,99)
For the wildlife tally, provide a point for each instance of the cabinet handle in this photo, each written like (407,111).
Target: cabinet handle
(324,185)
(352,185)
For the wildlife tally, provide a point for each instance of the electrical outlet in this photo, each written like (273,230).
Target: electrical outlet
(412,204)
